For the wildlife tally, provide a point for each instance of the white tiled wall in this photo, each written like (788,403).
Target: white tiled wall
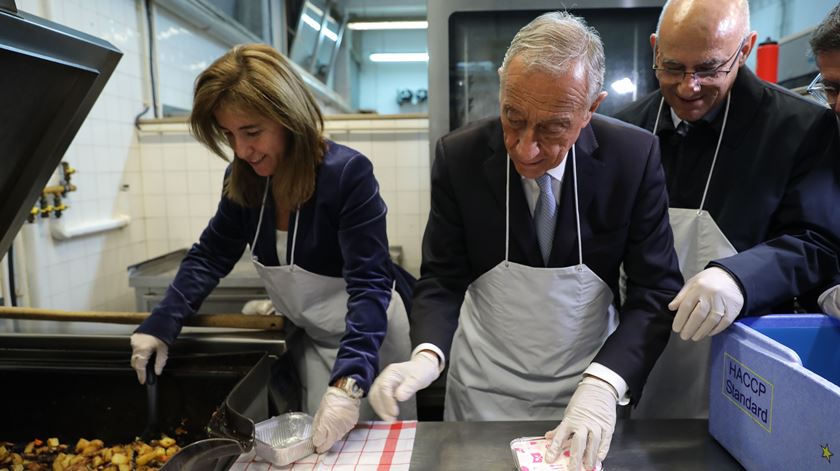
(90,272)
(399,150)
(182,183)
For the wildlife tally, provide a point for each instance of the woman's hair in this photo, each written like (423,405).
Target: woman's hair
(257,78)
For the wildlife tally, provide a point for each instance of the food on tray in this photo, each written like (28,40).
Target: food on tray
(87,455)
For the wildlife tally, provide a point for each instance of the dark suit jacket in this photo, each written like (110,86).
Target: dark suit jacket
(623,215)
(774,191)
(341,234)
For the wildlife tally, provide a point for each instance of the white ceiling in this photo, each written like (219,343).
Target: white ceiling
(384,8)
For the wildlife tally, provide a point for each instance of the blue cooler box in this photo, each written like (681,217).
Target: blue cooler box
(775,392)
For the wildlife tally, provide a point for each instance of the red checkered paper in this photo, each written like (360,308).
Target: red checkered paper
(371,446)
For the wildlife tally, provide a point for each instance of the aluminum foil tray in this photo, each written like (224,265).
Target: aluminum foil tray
(285,438)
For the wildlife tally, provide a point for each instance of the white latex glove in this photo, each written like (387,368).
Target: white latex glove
(258,306)
(400,381)
(830,301)
(707,304)
(142,347)
(587,426)
(337,415)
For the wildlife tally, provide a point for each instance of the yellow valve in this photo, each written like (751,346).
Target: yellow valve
(59,208)
(34,211)
(47,209)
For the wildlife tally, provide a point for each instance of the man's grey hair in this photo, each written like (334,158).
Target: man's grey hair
(556,42)
(743,10)
(827,35)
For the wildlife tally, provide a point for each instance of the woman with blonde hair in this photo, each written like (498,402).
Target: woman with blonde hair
(311,211)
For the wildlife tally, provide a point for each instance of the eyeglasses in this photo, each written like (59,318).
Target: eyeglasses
(705,77)
(822,92)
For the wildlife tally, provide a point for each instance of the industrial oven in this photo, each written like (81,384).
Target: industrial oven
(467,40)
(217,383)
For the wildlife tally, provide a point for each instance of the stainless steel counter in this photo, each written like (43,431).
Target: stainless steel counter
(151,278)
(683,445)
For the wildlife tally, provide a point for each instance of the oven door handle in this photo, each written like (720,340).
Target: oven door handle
(233,321)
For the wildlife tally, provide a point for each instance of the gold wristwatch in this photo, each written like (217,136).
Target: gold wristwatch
(349,386)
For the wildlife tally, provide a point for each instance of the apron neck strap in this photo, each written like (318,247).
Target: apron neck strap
(508,163)
(260,220)
(294,237)
(577,207)
(658,115)
(717,149)
(577,210)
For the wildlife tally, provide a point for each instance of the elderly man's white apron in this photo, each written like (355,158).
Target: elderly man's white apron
(525,336)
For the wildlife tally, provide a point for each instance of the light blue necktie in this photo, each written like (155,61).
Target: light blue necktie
(545,214)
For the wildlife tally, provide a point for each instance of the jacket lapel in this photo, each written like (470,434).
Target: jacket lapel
(747,94)
(565,249)
(522,231)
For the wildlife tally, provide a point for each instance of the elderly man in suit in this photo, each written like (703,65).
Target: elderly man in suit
(531,215)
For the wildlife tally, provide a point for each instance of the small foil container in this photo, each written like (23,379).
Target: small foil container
(284,439)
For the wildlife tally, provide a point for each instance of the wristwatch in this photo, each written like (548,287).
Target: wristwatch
(349,386)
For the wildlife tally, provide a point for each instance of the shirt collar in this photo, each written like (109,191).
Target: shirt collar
(707,118)
(558,171)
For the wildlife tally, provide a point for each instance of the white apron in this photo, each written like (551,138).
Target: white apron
(317,304)
(678,385)
(525,336)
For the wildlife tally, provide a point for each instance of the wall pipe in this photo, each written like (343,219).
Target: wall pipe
(60,231)
(22,269)
(11,262)
(4,287)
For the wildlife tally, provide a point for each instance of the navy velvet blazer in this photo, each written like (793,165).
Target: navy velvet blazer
(341,234)
(623,215)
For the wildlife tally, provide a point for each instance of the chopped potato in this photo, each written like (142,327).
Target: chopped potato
(87,455)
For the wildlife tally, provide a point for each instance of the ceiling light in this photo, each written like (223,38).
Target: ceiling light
(375,25)
(400,57)
(309,21)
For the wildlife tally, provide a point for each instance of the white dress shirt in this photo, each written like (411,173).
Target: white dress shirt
(532,189)
(282,241)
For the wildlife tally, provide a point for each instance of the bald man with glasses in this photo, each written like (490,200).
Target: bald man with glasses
(750,198)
